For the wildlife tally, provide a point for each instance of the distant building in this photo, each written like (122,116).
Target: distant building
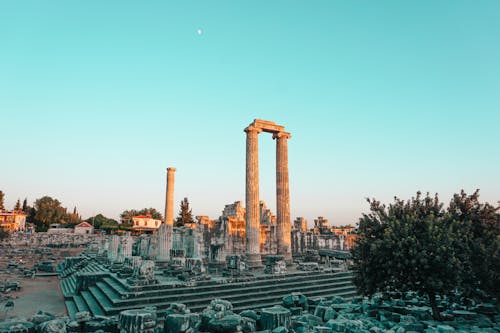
(56,228)
(13,220)
(84,228)
(145,224)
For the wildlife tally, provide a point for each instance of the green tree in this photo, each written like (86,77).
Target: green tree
(151,211)
(48,210)
(102,222)
(185,214)
(408,246)
(1,201)
(127,215)
(479,225)
(18,205)
(25,206)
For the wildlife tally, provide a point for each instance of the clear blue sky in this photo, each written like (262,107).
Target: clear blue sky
(382,98)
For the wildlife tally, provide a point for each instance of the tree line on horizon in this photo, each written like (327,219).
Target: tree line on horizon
(47,210)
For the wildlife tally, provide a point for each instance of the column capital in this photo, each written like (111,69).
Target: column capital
(252,129)
(279,135)
(171,169)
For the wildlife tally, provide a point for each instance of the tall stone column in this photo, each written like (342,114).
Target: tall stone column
(169,201)
(165,232)
(252,198)
(283,227)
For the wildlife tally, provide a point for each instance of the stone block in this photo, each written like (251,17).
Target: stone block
(295,300)
(311,320)
(445,329)
(338,300)
(322,329)
(249,314)
(53,326)
(176,323)
(329,314)
(248,324)
(274,317)
(320,311)
(280,329)
(336,325)
(227,324)
(137,320)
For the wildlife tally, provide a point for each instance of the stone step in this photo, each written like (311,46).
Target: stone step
(259,280)
(92,304)
(110,293)
(222,292)
(71,308)
(116,285)
(268,283)
(101,298)
(68,287)
(80,303)
(275,295)
(278,296)
(247,301)
(239,307)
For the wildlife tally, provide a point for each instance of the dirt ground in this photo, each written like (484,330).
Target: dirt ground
(40,293)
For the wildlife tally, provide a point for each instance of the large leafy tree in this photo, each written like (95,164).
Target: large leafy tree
(151,211)
(102,222)
(479,247)
(48,210)
(127,215)
(185,214)
(408,246)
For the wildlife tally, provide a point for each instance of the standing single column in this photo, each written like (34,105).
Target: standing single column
(252,198)
(165,232)
(283,227)
(169,202)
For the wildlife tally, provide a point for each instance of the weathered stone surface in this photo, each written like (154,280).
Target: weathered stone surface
(227,324)
(295,300)
(248,324)
(53,326)
(82,316)
(249,314)
(329,314)
(280,329)
(176,323)
(311,320)
(41,317)
(17,327)
(140,320)
(276,316)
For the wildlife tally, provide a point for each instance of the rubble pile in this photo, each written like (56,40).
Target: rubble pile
(409,313)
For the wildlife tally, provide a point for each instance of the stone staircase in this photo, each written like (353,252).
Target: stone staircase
(111,295)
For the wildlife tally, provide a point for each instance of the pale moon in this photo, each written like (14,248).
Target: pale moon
(199,32)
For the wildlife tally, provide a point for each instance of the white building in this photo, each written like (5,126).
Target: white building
(84,228)
(145,223)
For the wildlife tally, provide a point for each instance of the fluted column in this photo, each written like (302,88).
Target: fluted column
(165,232)
(252,198)
(283,227)
(169,202)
